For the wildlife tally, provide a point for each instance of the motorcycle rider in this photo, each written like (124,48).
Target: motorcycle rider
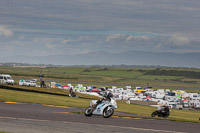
(166,109)
(163,108)
(106,96)
(71,92)
(162,111)
(104,106)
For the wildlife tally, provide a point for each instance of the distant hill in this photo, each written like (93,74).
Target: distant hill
(104,58)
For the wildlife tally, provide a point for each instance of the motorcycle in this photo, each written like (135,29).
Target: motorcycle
(72,94)
(105,108)
(164,112)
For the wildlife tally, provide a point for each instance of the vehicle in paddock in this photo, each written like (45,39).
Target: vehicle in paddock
(6,79)
(31,82)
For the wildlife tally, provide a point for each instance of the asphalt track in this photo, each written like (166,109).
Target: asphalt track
(33,118)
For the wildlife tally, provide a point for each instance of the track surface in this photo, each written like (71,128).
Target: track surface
(30,118)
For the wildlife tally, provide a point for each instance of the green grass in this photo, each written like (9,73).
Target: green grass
(125,76)
(53,91)
(38,98)
(59,100)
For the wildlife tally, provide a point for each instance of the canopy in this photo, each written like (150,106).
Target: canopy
(58,85)
(148,97)
(76,87)
(65,86)
(95,90)
(179,96)
(54,86)
(82,88)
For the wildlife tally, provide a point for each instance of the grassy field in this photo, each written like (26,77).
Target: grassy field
(38,98)
(23,96)
(122,76)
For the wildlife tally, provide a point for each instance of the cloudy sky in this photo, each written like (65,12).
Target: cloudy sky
(70,27)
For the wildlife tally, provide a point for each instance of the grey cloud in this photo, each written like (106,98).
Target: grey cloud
(142,16)
(81,26)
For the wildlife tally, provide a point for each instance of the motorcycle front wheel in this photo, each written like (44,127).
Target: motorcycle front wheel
(108,112)
(88,111)
(154,114)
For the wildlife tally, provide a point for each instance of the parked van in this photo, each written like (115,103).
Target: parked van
(6,79)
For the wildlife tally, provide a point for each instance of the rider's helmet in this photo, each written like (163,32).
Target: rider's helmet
(110,95)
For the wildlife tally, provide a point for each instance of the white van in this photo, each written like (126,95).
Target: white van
(6,79)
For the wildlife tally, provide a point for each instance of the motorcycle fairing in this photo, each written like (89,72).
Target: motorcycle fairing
(99,109)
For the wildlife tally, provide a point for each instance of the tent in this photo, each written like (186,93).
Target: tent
(147,100)
(76,87)
(148,97)
(95,90)
(58,85)
(82,88)
(54,86)
(65,86)
(179,96)
(21,82)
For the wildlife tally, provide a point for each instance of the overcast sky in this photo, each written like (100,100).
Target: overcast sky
(51,27)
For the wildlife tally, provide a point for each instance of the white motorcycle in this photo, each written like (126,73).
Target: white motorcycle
(105,107)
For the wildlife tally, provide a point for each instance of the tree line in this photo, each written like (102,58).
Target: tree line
(163,72)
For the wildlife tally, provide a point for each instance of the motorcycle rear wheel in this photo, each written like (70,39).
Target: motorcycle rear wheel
(108,112)
(165,116)
(88,111)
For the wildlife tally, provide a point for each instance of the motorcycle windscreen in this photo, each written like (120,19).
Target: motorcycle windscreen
(93,102)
